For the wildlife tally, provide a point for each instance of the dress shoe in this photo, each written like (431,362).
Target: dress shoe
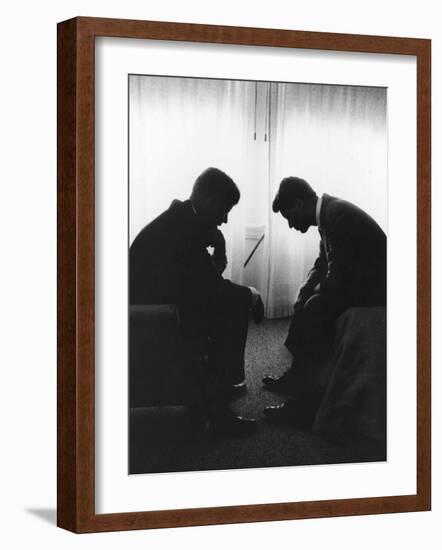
(289,413)
(239,389)
(280,384)
(228,423)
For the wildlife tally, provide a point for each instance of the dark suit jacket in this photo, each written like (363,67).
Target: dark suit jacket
(169,264)
(352,261)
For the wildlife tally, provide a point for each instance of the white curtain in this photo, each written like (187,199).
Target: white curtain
(178,127)
(334,137)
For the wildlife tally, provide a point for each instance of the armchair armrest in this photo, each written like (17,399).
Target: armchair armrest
(164,368)
(165,315)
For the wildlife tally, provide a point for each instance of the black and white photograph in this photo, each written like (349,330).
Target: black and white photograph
(221,250)
(257,274)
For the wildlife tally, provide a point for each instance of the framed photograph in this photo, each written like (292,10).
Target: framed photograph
(243,274)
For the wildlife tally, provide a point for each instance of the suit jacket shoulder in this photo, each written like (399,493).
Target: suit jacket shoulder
(169,261)
(355,247)
(340,215)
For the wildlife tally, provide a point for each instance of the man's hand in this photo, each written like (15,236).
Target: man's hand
(305,292)
(255,295)
(257,306)
(217,241)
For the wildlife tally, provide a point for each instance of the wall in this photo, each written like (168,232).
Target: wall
(28,300)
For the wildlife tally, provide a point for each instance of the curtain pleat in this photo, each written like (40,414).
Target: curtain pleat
(333,136)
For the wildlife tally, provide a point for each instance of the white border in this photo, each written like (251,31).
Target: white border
(115,490)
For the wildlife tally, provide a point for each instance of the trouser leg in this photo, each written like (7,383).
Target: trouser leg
(229,336)
(309,340)
(311,327)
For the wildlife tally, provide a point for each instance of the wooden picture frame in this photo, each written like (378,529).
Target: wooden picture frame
(76,287)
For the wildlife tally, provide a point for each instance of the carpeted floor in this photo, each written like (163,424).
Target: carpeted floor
(168,440)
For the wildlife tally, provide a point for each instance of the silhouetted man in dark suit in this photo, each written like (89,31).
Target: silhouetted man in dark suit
(350,271)
(170,263)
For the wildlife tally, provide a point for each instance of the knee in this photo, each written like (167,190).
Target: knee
(242,298)
(234,302)
(314,305)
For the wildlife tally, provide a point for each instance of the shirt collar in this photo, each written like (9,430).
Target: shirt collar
(318,211)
